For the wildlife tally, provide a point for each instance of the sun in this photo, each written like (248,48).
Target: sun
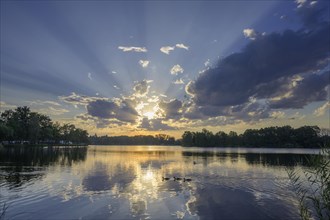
(149,115)
(148,109)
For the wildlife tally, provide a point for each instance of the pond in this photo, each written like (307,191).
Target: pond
(137,182)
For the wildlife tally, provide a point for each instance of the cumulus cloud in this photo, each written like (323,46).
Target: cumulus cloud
(322,109)
(133,49)
(154,125)
(122,110)
(250,33)
(141,88)
(285,70)
(144,63)
(172,109)
(182,46)
(176,69)
(263,69)
(166,49)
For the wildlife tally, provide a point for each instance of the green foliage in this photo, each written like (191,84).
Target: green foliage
(286,136)
(313,187)
(21,125)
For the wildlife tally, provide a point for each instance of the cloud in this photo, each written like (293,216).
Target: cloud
(207,63)
(154,125)
(166,49)
(178,81)
(250,33)
(144,63)
(52,111)
(5,106)
(76,99)
(308,90)
(264,69)
(171,109)
(322,109)
(89,75)
(176,69)
(311,13)
(300,3)
(39,102)
(141,88)
(182,46)
(133,49)
(122,110)
(287,70)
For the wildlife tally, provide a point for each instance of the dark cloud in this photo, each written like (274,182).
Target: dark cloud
(171,109)
(310,89)
(121,111)
(312,13)
(278,69)
(154,125)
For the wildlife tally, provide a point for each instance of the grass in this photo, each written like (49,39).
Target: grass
(312,187)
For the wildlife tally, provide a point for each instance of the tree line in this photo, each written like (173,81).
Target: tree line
(21,125)
(159,139)
(286,136)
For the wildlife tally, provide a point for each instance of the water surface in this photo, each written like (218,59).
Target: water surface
(126,182)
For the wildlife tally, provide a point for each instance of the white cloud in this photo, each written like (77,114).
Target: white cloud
(300,3)
(182,46)
(89,75)
(166,49)
(322,109)
(113,72)
(116,87)
(250,33)
(178,81)
(144,63)
(313,2)
(176,69)
(207,63)
(133,49)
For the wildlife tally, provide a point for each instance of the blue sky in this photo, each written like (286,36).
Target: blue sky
(138,67)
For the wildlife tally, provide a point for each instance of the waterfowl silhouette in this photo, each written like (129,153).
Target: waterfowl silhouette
(186,179)
(165,178)
(177,178)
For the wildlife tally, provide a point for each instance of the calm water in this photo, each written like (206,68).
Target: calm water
(125,182)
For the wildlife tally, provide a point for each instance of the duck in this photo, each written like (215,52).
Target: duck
(186,179)
(165,178)
(177,178)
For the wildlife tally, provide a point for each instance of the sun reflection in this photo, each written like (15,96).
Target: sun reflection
(149,175)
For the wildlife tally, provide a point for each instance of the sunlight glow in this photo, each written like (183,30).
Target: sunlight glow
(149,115)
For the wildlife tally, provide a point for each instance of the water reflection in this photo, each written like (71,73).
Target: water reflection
(22,164)
(131,182)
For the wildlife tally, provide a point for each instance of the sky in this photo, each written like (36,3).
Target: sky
(149,67)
